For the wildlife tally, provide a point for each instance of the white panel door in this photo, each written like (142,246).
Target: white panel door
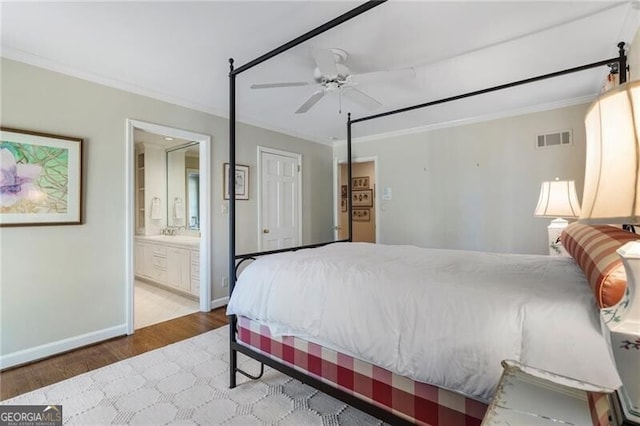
(280,200)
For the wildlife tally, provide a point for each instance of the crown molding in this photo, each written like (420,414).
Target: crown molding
(48,64)
(54,66)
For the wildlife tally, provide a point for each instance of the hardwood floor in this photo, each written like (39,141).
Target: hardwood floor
(19,380)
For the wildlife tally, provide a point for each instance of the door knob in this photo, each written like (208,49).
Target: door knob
(265,231)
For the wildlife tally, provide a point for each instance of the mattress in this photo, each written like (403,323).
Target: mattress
(443,317)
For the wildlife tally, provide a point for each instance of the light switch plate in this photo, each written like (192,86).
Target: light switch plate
(386,193)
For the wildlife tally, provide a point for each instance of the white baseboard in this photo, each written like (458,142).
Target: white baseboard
(217,303)
(53,348)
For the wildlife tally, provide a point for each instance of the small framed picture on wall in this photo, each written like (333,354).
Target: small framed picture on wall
(241,182)
(360,182)
(362,198)
(361,215)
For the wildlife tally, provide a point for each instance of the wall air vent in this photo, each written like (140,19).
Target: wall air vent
(550,140)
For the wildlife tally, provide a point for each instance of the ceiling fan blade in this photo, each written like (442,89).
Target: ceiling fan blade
(361,98)
(325,61)
(376,76)
(276,85)
(310,102)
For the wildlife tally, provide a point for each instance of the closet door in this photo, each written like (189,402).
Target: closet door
(279,199)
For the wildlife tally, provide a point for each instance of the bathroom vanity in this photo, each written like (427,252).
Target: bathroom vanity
(171,261)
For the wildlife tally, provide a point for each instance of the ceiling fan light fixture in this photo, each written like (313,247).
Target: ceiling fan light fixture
(331,86)
(332,75)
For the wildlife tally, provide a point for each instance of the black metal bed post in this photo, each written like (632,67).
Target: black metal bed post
(233,367)
(622,63)
(359,10)
(349,177)
(233,355)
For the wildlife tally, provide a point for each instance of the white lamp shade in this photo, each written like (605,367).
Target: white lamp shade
(611,182)
(558,199)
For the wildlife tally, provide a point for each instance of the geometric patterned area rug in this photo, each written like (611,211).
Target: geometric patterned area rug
(187,383)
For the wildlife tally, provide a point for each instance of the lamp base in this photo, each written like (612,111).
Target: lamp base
(554,230)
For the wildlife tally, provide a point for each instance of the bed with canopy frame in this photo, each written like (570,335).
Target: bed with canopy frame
(389,396)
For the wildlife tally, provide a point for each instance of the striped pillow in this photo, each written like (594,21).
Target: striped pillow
(594,249)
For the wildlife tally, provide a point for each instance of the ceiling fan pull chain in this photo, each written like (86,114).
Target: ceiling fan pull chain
(340,102)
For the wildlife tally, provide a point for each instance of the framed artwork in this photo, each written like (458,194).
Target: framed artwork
(241,182)
(343,204)
(360,182)
(343,191)
(361,215)
(41,178)
(362,198)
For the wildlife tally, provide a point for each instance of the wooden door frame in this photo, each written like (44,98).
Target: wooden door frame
(205,213)
(298,157)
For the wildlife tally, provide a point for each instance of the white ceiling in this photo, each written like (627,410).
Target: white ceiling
(178,52)
(142,136)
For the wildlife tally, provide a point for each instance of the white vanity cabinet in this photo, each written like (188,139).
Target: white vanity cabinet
(195,271)
(140,249)
(169,261)
(158,270)
(179,268)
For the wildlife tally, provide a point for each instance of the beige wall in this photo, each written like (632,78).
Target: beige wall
(475,186)
(61,282)
(191,162)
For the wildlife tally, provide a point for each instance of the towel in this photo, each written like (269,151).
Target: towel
(156,213)
(178,208)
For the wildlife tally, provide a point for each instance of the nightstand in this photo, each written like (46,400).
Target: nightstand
(529,396)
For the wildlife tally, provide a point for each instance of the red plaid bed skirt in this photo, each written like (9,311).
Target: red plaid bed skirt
(599,408)
(414,401)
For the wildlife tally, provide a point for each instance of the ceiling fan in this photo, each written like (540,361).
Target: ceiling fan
(332,75)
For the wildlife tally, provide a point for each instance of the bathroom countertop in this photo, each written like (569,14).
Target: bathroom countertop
(175,240)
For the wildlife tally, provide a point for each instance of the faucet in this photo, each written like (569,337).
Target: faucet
(171,230)
(168,231)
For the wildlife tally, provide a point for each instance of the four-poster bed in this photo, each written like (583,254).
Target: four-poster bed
(391,393)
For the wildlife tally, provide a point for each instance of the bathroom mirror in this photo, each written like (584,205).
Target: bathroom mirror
(183,186)
(193,198)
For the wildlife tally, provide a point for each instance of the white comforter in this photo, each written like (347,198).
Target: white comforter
(444,317)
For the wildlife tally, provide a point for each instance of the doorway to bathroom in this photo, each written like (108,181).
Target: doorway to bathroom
(168,224)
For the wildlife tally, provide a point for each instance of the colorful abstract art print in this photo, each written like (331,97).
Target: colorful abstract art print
(40,179)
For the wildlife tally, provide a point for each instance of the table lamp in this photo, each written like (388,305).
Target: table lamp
(611,188)
(557,199)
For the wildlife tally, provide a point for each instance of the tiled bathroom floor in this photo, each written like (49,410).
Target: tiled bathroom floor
(154,305)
